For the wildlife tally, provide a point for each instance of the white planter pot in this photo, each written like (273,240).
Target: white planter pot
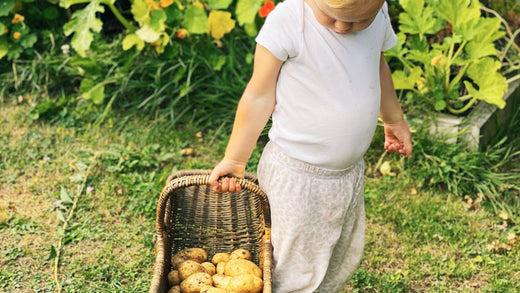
(481,124)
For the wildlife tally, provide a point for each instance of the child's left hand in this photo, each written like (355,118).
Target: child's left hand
(398,138)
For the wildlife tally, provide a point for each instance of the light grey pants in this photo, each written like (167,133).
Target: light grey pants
(317,222)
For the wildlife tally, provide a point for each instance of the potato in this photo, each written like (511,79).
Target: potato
(189,268)
(220,267)
(220,257)
(241,254)
(211,289)
(221,281)
(209,268)
(194,283)
(245,283)
(173,278)
(237,267)
(175,289)
(196,254)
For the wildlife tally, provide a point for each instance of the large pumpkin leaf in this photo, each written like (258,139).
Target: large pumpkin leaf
(476,50)
(220,23)
(459,13)
(83,21)
(491,84)
(417,19)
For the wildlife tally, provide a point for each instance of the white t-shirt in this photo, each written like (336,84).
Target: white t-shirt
(328,91)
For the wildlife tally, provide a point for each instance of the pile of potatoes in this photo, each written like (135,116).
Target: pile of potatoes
(233,272)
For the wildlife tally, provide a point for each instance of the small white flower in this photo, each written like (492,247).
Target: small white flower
(90,189)
(65,49)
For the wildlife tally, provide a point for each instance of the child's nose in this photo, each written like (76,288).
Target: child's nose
(341,25)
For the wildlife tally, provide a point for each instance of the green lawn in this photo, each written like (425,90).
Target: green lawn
(101,185)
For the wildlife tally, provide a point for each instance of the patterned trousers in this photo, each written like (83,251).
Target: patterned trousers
(317,222)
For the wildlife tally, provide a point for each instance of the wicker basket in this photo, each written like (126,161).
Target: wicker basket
(190,214)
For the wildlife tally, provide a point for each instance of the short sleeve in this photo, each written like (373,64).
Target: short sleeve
(390,36)
(280,33)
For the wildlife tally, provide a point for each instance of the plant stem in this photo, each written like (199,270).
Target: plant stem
(463,109)
(119,16)
(66,223)
(513,78)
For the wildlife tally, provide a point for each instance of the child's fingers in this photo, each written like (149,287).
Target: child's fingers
(225,184)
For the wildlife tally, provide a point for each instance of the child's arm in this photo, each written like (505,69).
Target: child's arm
(253,112)
(397,134)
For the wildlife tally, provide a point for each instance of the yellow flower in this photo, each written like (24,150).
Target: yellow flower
(199,4)
(17,18)
(165,3)
(421,85)
(439,60)
(17,35)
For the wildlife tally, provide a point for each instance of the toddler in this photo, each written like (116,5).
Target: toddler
(320,73)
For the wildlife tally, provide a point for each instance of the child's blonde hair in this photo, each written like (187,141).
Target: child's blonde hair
(345,3)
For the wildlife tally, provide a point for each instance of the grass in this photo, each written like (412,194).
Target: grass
(418,239)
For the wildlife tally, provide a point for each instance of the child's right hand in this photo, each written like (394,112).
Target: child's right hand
(226,184)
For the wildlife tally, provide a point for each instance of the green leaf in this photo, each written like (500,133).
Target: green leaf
(82,23)
(439,105)
(157,20)
(52,253)
(217,62)
(131,40)
(476,50)
(417,19)
(92,91)
(140,10)
(28,40)
(60,216)
(4,46)
(251,29)
(457,12)
(219,4)
(5,7)
(491,84)
(3,30)
(196,20)
(51,13)
(404,82)
(488,30)
(247,10)
(64,196)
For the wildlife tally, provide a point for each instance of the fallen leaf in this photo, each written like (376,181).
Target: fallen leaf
(386,169)
(188,151)
(503,215)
